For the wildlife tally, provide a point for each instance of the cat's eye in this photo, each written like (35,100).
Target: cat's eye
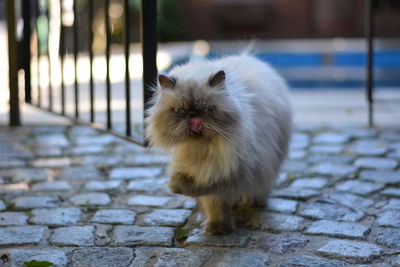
(177,110)
(207,110)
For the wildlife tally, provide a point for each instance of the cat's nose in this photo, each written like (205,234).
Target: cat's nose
(192,115)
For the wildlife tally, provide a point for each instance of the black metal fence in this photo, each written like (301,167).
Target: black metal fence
(31,11)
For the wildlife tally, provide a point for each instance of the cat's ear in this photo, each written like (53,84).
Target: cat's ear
(166,82)
(217,79)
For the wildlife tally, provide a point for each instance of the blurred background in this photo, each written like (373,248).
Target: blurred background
(317,45)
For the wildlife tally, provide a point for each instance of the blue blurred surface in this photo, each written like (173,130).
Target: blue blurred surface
(327,70)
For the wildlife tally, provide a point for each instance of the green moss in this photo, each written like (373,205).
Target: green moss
(35,263)
(181,234)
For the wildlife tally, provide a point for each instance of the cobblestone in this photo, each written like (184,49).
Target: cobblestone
(26,174)
(393,204)
(338,229)
(331,138)
(333,169)
(294,166)
(115,216)
(13,218)
(282,205)
(158,257)
(2,205)
(13,150)
(36,202)
(296,193)
(396,261)
(278,222)
(330,212)
(376,163)
(134,172)
(17,257)
(23,235)
(296,154)
(103,185)
(335,159)
(352,251)
(102,257)
(146,236)
(51,162)
(391,192)
(102,236)
(54,139)
(13,188)
(240,258)
(102,160)
(307,182)
(52,186)
(311,261)
(350,200)
(80,173)
(238,238)
(98,199)
(86,150)
(389,218)
(166,217)
(368,147)
(10,163)
(43,151)
(95,140)
(336,203)
(386,177)
(282,243)
(73,236)
(56,216)
(389,237)
(326,149)
(153,201)
(359,187)
(148,185)
(148,159)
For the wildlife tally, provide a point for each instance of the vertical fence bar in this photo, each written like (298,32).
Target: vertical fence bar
(15,119)
(26,60)
(62,48)
(127,75)
(149,48)
(39,89)
(50,87)
(108,42)
(75,32)
(369,28)
(91,86)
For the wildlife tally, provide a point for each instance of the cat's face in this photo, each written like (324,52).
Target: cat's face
(189,110)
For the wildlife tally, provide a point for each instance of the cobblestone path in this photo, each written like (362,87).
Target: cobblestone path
(74,197)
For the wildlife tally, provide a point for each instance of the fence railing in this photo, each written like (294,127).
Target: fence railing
(31,11)
(33,14)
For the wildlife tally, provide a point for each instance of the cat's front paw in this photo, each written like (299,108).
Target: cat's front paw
(181,183)
(218,228)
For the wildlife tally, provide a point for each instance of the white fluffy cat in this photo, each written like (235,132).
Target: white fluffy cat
(228,122)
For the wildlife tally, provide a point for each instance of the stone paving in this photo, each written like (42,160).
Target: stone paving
(74,197)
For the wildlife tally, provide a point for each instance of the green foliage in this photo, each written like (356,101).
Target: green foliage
(181,234)
(169,18)
(35,263)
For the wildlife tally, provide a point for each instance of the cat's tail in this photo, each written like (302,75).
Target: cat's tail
(249,49)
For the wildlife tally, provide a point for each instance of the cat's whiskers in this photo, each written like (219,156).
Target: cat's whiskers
(174,132)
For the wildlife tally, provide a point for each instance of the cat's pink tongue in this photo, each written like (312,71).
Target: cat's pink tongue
(196,124)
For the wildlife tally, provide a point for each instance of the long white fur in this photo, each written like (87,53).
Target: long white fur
(258,146)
